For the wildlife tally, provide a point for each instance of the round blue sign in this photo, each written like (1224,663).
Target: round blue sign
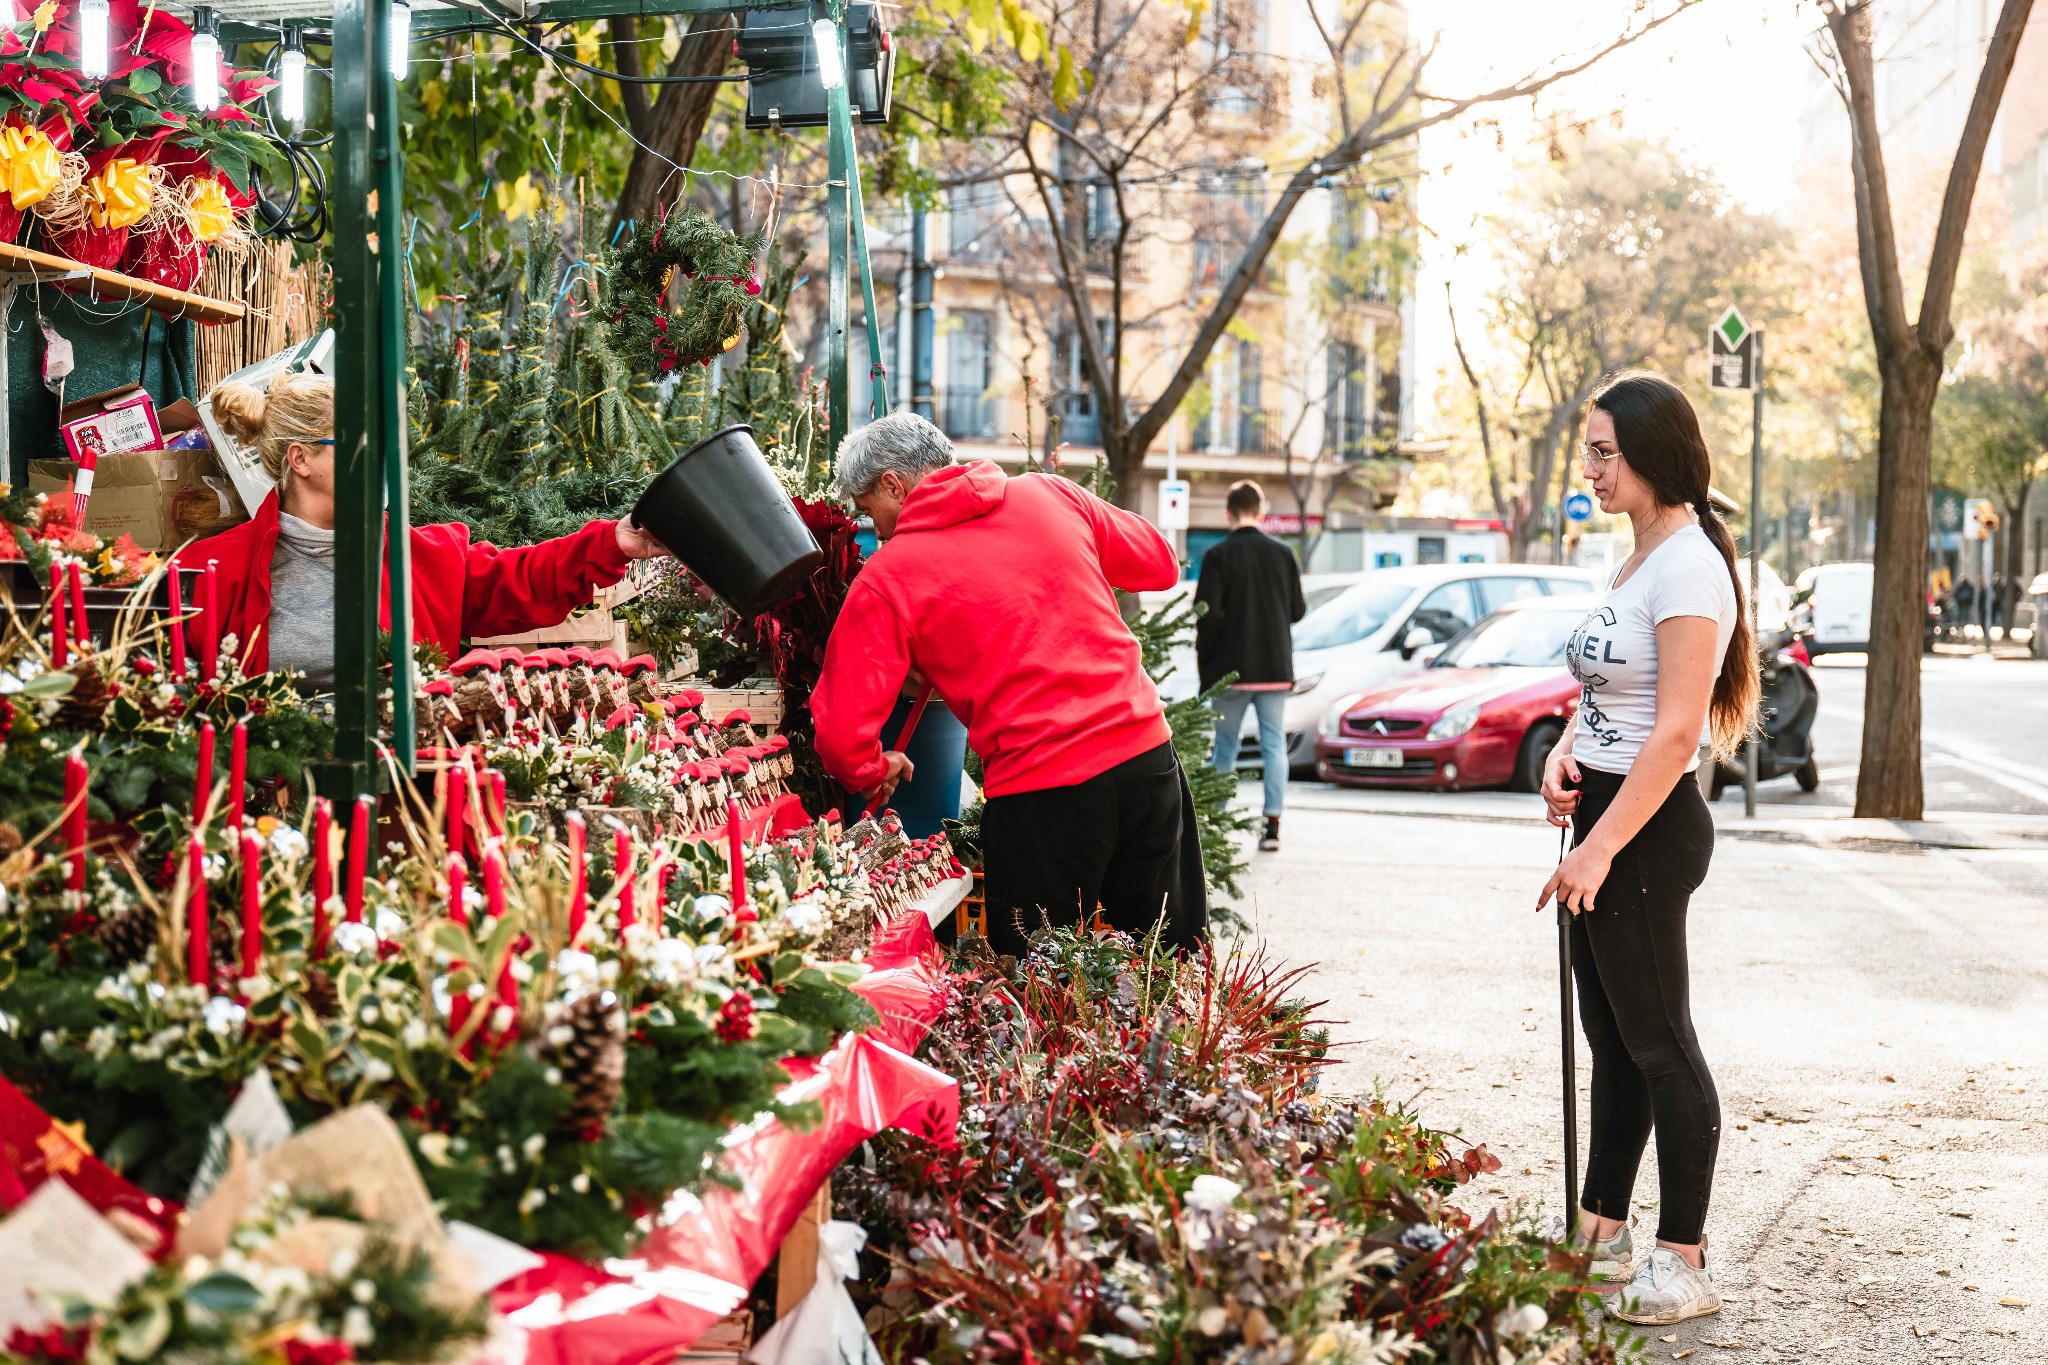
(1578,506)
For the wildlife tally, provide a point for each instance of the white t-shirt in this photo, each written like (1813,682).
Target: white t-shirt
(1613,653)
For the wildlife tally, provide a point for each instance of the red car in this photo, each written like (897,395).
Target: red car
(1485,713)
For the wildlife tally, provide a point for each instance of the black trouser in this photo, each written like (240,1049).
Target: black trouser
(1628,956)
(1124,839)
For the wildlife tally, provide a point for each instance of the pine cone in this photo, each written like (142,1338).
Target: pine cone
(592,1059)
(128,936)
(320,993)
(10,839)
(85,705)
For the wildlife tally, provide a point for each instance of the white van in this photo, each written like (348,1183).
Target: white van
(1836,611)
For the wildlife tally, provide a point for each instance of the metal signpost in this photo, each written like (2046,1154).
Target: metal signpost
(1735,360)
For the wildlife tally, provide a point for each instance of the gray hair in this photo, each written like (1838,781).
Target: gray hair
(902,443)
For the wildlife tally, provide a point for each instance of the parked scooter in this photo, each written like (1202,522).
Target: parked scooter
(1789,703)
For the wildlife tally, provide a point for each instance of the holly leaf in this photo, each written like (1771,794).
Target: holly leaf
(225,1293)
(145,81)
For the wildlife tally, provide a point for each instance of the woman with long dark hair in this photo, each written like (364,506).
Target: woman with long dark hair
(1667,663)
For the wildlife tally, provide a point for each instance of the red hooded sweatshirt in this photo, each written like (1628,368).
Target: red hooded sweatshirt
(999,590)
(460,587)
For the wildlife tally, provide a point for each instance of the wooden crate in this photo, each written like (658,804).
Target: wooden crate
(727,1340)
(762,704)
(597,625)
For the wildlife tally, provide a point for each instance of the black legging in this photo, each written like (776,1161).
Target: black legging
(1628,956)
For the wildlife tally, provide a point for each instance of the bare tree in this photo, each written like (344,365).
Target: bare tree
(667,123)
(1909,357)
(1096,153)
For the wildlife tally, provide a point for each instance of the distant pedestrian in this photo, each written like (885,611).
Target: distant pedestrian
(1666,658)
(1251,587)
(1966,604)
(2001,602)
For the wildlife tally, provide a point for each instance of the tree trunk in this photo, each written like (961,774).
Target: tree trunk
(1888,781)
(675,120)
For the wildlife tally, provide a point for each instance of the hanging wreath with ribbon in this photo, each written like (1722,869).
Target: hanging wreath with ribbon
(715,267)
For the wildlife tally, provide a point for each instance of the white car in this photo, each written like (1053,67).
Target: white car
(1381,627)
(1835,617)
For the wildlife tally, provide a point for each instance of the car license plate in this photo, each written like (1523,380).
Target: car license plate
(1373,758)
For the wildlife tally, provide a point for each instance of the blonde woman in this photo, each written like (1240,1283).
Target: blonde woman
(276,571)
(1665,658)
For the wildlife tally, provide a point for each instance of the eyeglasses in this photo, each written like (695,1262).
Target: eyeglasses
(1593,452)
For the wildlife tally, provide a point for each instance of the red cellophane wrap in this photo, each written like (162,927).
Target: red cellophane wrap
(33,1148)
(863,1085)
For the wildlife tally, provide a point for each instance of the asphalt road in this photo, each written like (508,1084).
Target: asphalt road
(1984,734)
(1877,1023)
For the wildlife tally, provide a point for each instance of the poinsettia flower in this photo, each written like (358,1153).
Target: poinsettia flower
(246,87)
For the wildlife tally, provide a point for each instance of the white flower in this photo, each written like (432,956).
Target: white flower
(711,906)
(100,1042)
(559,1035)
(708,954)
(1120,1346)
(522,970)
(390,924)
(288,844)
(1524,1320)
(671,960)
(434,1147)
(506,1163)
(377,1071)
(223,1016)
(534,1146)
(1212,1194)
(342,1263)
(501,1019)
(580,1182)
(414,1034)
(532,1200)
(551,1074)
(355,1327)
(370,1013)
(354,937)
(578,969)
(9,1025)
(806,917)
(363,1291)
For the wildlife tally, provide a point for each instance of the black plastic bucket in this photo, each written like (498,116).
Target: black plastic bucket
(720,511)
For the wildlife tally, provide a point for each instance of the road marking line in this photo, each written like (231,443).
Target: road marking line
(2016,777)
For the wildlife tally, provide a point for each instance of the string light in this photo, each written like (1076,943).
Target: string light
(831,66)
(291,78)
(401,38)
(93,22)
(205,60)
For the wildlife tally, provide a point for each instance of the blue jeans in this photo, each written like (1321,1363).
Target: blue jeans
(1272,710)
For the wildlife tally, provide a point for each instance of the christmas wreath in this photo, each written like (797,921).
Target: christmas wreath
(716,268)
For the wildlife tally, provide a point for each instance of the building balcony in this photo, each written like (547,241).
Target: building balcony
(968,414)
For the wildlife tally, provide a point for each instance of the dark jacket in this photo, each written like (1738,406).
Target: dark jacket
(1252,589)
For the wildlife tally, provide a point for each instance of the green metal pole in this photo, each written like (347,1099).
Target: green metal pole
(392,313)
(839,140)
(857,214)
(359,55)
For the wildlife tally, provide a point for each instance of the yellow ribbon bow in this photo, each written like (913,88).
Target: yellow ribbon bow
(118,196)
(30,166)
(209,210)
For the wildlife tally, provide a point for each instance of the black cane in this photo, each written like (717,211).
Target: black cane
(1568,1035)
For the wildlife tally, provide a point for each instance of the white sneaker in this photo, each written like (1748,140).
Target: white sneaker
(1667,1290)
(1613,1258)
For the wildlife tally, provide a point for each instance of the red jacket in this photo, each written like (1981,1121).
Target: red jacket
(459,588)
(999,591)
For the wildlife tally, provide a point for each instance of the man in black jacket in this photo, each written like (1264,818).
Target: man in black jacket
(1251,588)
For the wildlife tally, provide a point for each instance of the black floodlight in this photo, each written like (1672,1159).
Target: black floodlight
(786,87)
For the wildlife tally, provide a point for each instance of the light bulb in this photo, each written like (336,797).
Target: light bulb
(831,66)
(7,14)
(92,39)
(205,72)
(401,38)
(291,81)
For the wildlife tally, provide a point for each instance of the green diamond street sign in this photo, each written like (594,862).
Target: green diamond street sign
(1732,328)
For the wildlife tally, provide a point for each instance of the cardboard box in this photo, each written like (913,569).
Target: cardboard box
(110,423)
(162,498)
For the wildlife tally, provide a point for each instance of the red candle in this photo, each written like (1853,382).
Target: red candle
(177,624)
(78,625)
(622,869)
(209,626)
(579,885)
(60,626)
(75,777)
(202,777)
(494,882)
(238,771)
(458,811)
(252,903)
(657,904)
(358,859)
(198,931)
(497,808)
(736,845)
(458,890)
(323,871)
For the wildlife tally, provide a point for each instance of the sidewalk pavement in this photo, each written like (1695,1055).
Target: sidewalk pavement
(1821,826)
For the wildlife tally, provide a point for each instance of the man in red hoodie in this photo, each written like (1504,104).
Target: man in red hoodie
(1002,593)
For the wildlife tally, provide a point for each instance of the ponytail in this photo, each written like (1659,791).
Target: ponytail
(1731,715)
